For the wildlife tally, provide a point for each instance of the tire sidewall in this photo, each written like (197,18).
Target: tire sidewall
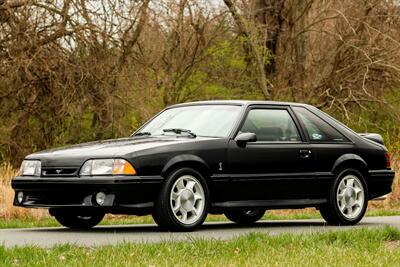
(240,216)
(71,219)
(171,179)
(341,174)
(257,215)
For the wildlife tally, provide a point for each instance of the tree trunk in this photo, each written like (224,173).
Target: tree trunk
(253,49)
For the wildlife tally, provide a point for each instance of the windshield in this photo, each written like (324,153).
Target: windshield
(202,120)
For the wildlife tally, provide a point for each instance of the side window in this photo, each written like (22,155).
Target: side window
(317,129)
(271,125)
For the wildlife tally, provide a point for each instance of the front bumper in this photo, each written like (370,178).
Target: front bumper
(380,182)
(124,194)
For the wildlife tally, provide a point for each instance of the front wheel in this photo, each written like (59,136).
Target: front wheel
(78,220)
(348,199)
(245,216)
(183,201)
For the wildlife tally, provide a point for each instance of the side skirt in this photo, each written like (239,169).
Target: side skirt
(270,204)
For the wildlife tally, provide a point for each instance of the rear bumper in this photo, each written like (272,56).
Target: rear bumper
(380,182)
(124,194)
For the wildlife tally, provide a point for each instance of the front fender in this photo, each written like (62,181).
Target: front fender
(185,158)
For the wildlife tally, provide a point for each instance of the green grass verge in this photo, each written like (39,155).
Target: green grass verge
(359,247)
(50,222)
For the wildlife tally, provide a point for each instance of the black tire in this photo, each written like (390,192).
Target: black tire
(245,216)
(163,214)
(331,211)
(77,220)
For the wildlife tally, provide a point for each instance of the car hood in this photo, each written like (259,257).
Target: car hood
(75,155)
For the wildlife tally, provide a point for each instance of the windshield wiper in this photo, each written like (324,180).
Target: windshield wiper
(142,133)
(179,131)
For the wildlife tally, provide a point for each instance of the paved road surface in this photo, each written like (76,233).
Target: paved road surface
(103,235)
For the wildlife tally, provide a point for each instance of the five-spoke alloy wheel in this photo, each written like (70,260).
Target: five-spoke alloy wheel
(187,199)
(350,196)
(348,199)
(183,201)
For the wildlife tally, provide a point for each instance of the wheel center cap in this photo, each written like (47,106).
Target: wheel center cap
(349,196)
(187,200)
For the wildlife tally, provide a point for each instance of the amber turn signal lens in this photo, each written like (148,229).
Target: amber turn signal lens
(128,169)
(123,167)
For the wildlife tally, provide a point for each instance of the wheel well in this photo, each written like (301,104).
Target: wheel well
(197,166)
(353,164)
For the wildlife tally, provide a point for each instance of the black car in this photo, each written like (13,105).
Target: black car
(238,158)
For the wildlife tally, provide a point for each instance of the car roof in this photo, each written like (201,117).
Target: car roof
(239,103)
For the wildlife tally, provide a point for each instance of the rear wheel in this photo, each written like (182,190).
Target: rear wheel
(183,201)
(78,220)
(245,216)
(348,199)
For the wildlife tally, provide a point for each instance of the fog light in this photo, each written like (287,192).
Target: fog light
(100,198)
(20,197)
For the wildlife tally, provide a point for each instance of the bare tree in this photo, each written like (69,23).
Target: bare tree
(332,54)
(251,36)
(78,70)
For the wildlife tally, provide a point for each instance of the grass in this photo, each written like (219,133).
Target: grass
(359,247)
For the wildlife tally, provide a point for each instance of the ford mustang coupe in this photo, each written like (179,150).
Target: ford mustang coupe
(238,158)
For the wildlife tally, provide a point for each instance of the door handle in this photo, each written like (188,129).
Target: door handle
(304,153)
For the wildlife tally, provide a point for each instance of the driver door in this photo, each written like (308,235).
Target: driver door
(279,165)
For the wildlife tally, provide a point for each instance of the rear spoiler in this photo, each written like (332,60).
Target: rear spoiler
(373,136)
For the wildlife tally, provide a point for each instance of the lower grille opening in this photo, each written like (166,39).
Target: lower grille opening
(54,199)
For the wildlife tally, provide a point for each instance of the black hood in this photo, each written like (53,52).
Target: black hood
(75,155)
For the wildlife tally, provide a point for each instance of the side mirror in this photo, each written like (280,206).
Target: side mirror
(243,138)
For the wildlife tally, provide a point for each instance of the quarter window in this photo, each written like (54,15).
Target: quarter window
(271,125)
(317,129)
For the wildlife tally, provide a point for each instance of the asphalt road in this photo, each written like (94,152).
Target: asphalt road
(104,235)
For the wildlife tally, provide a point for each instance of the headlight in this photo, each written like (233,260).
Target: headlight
(107,167)
(30,168)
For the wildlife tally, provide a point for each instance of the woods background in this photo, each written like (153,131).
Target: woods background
(75,70)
